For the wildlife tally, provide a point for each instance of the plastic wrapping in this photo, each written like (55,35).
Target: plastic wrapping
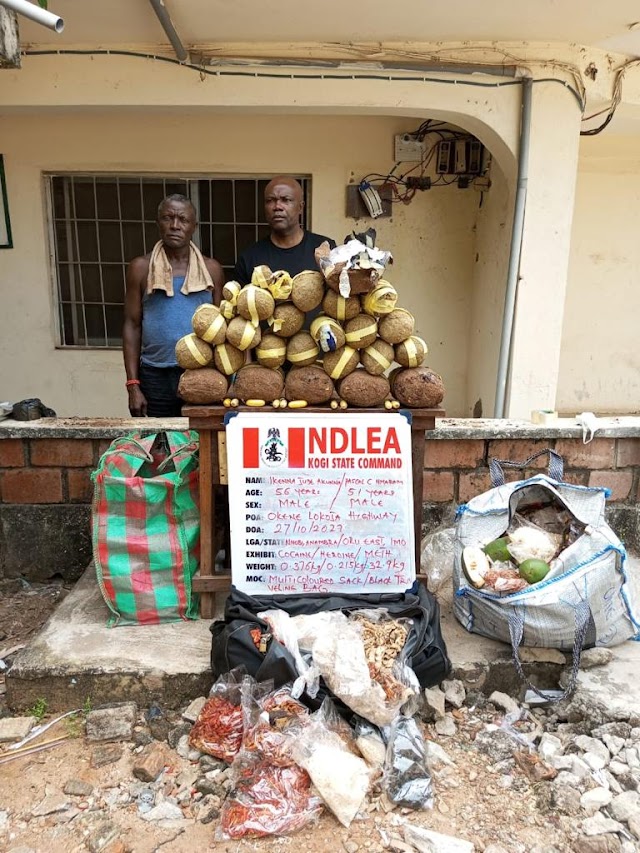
(267,799)
(527,541)
(219,727)
(370,689)
(339,776)
(406,780)
(285,633)
(436,558)
(369,743)
(270,722)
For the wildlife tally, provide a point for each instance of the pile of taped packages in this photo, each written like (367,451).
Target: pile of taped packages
(288,764)
(333,336)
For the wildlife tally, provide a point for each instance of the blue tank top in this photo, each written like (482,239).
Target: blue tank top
(165,319)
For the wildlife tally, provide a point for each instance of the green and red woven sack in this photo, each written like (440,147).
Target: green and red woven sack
(146,527)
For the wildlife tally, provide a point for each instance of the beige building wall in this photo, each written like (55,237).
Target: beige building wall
(432,239)
(600,356)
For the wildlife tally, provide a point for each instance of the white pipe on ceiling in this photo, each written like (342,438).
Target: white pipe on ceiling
(35,13)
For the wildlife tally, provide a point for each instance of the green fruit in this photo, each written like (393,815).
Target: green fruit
(497,550)
(475,565)
(533,570)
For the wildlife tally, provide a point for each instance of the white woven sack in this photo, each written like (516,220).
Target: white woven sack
(586,594)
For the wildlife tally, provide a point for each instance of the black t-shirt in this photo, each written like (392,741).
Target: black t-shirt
(293,260)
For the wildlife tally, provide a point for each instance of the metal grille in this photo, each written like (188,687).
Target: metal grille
(101,222)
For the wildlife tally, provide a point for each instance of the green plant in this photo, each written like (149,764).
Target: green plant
(87,707)
(39,709)
(74,725)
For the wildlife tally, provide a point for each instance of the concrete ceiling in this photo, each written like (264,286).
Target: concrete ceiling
(118,22)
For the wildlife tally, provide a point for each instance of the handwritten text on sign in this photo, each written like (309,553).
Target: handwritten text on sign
(320,503)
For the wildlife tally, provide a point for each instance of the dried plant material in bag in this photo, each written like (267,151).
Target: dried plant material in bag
(219,727)
(407,780)
(340,777)
(267,800)
(270,723)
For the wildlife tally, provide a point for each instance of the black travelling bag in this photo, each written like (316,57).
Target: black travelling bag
(233,644)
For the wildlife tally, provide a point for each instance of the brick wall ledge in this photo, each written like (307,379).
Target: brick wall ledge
(446,428)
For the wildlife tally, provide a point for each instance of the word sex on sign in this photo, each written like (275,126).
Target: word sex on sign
(320,502)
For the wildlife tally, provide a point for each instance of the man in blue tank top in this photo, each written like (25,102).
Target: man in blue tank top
(163,289)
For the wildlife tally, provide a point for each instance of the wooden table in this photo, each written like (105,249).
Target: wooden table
(209,423)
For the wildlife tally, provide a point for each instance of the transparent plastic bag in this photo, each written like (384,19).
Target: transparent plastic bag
(369,743)
(284,632)
(528,541)
(339,653)
(340,777)
(266,799)
(219,728)
(407,780)
(309,627)
(271,722)
(437,555)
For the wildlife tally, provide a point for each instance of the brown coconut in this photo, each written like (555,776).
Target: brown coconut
(192,352)
(418,387)
(308,383)
(271,351)
(307,290)
(231,290)
(255,304)
(242,334)
(255,382)
(202,386)
(341,363)
(228,358)
(381,300)
(412,352)
(397,326)
(327,333)
(377,357)
(364,390)
(209,324)
(361,332)
(339,308)
(286,320)
(302,349)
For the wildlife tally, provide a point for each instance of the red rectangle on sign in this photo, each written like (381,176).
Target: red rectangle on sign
(296,447)
(251,447)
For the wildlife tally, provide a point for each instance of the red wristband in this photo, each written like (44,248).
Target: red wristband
(131,382)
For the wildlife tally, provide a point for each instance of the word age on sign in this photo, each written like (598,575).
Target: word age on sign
(320,503)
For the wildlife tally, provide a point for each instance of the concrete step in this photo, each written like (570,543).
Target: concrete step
(76,657)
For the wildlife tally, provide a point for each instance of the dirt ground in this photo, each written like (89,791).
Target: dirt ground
(477,798)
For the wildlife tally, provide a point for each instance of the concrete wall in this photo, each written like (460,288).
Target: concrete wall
(600,357)
(432,239)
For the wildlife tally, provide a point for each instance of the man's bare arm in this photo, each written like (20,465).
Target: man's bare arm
(132,331)
(217,275)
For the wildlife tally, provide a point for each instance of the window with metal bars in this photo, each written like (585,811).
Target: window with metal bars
(99,223)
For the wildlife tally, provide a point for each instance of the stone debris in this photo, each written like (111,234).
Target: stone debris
(113,723)
(165,810)
(434,700)
(78,788)
(52,803)
(595,799)
(103,837)
(447,726)
(428,841)
(597,656)
(535,655)
(600,825)
(626,806)
(502,700)
(107,754)
(191,712)
(454,692)
(13,729)
(150,763)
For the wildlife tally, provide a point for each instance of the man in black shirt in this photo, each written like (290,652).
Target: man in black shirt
(289,247)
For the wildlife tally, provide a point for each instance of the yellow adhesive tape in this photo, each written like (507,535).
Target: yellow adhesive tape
(382,360)
(341,363)
(195,352)
(251,306)
(247,336)
(301,356)
(214,328)
(224,358)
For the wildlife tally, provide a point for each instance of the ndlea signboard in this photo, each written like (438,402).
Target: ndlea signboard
(320,502)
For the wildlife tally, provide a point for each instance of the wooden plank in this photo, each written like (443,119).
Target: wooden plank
(417,462)
(206,519)
(215,583)
(223,473)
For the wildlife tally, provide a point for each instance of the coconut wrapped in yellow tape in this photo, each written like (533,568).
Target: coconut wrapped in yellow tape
(418,387)
(341,363)
(302,349)
(192,352)
(412,352)
(327,333)
(271,351)
(361,332)
(281,285)
(381,300)
(242,334)
(209,324)
(231,290)
(309,383)
(286,320)
(307,290)
(254,381)
(202,386)
(339,307)
(364,390)
(396,326)
(377,357)
(255,304)
(228,309)
(228,358)
(262,276)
